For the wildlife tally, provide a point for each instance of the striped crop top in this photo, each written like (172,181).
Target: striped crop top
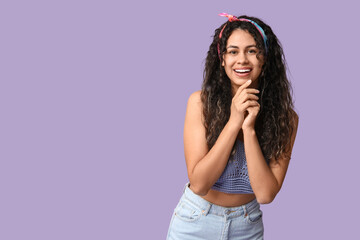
(235,178)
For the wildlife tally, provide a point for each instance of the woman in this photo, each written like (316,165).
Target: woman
(238,135)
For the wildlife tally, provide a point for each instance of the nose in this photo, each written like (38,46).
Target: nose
(242,58)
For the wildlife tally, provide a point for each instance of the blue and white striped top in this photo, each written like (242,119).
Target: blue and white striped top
(235,178)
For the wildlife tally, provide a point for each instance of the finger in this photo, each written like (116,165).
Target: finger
(251,103)
(253,109)
(252,90)
(247,91)
(242,87)
(252,112)
(246,96)
(252,99)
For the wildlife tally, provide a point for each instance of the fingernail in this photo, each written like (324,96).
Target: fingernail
(249,80)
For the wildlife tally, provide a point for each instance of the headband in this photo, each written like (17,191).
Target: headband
(233,19)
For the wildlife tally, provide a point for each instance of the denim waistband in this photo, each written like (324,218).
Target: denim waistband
(210,208)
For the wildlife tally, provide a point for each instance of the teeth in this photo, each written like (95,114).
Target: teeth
(242,70)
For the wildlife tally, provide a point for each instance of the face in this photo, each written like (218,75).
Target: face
(240,59)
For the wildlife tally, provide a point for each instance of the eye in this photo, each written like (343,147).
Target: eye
(232,52)
(252,51)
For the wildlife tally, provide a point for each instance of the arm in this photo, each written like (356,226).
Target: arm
(204,167)
(266,180)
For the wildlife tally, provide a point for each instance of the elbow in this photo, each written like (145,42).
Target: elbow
(267,195)
(265,199)
(199,190)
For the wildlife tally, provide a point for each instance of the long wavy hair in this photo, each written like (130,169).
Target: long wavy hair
(274,123)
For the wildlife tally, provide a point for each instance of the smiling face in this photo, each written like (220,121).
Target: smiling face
(241,62)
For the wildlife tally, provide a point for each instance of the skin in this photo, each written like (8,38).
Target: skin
(241,52)
(204,167)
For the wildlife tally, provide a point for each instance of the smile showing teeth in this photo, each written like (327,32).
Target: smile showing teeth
(242,70)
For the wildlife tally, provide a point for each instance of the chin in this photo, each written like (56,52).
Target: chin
(242,81)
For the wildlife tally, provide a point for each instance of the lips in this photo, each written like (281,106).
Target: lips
(242,72)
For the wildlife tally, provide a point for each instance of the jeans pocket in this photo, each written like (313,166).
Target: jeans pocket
(254,216)
(187,211)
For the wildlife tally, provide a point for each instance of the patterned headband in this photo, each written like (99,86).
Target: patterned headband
(233,19)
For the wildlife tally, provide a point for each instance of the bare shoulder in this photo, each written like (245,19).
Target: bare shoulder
(194,106)
(195,99)
(195,144)
(295,123)
(295,120)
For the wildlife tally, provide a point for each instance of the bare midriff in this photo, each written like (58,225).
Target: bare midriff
(228,199)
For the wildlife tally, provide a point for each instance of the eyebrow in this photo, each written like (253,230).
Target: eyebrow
(232,46)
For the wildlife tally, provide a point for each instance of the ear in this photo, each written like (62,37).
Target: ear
(222,63)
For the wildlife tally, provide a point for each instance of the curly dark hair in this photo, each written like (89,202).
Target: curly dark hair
(274,123)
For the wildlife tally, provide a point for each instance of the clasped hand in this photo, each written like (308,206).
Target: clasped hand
(245,107)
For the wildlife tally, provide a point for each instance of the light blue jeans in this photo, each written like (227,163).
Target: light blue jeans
(196,218)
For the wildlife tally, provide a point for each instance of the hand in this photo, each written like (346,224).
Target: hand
(243,101)
(249,122)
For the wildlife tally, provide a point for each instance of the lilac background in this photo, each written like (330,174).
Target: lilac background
(93,97)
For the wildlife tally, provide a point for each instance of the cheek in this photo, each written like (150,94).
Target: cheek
(228,71)
(227,67)
(257,72)
(259,67)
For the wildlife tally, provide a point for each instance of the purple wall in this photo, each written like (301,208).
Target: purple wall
(93,97)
